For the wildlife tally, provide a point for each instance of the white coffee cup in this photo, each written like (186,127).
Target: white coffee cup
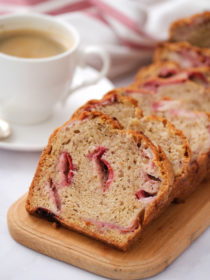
(31,87)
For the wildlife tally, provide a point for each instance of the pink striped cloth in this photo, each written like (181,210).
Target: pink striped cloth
(127,29)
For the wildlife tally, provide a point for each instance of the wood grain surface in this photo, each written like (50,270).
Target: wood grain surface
(160,243)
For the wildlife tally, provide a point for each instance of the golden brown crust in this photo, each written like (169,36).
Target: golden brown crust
(165,46)
(111,97)
(189,20)
(152,70)
(96,114)
(129,89)
(157,69)
(192,21)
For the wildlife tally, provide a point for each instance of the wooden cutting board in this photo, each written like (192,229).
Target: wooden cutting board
(161,242)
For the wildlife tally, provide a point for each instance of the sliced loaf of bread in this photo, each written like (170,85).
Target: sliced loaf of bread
(194,29)
(182,53)
(100,180)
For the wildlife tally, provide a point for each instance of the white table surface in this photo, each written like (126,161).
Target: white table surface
(20,263)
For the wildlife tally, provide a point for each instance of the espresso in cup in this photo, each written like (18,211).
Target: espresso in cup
(31,43)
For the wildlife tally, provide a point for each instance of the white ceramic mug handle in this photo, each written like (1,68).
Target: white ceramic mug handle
(104,57)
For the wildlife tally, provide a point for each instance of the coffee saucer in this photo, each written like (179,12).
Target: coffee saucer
(35,137)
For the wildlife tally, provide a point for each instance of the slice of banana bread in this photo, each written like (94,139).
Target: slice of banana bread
(115,105)
(175,145)
(192,95)
(182,53)
(194,29)
(169,72)
(196,127)
(99,180)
